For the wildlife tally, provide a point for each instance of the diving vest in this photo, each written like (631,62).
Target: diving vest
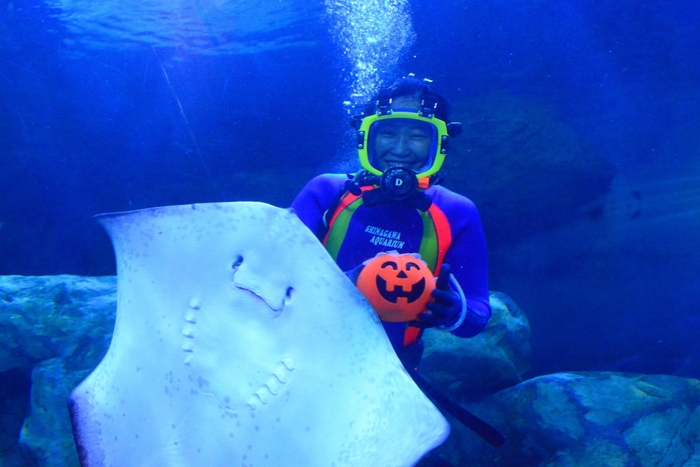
(436,239)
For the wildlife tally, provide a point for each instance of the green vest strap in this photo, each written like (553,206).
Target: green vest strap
(339,223)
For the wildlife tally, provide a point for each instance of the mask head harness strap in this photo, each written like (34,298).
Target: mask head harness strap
(428,105)
(384,101)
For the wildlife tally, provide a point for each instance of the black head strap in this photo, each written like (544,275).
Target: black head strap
(429,104)
(384,101)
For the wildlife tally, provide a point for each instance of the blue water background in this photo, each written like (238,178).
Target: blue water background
(119,105)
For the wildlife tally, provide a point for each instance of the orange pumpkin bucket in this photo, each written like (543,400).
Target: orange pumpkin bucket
(397,285)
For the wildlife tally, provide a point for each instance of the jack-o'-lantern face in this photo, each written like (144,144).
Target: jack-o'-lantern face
(397,285)
(406,282)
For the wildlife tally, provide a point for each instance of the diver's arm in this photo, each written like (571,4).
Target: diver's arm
(468,258)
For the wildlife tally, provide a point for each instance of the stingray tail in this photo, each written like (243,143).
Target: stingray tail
(491,435)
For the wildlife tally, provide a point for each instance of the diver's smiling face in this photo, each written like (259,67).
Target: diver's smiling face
(401,142)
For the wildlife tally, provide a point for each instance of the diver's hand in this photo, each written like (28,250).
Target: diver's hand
(446,306)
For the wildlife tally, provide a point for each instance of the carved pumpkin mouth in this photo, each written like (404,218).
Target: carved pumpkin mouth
(398,292)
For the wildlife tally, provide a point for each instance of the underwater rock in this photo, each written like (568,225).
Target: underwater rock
(53,316)
(46,432)
(14,408)
(472,369)
(58,328)
(587,420)
(527,170)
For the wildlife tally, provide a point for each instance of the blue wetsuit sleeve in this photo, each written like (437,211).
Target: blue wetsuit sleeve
(468,257)
(315,198)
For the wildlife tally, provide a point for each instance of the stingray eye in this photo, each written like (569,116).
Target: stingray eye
(288,295)
(238,262)
(398,288)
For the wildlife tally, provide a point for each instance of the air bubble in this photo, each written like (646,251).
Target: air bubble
(374,35)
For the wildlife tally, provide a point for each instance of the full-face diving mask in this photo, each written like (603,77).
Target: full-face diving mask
(386,126)
(421,127)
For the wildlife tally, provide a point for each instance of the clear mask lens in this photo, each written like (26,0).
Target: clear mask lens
(402,142)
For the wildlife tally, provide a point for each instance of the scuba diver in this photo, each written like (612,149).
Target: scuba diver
(396,204)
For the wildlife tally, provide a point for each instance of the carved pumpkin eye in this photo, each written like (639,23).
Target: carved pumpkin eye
(397,285)
(411,265)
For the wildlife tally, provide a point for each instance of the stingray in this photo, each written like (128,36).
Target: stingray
(239,342)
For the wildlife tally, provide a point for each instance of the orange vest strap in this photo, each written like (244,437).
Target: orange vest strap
(443,232)
(347,199)
(411,335)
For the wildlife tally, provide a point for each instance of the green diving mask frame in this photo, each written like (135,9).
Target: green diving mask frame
(419,128)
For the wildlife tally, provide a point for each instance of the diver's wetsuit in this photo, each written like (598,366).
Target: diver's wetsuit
(392,226)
